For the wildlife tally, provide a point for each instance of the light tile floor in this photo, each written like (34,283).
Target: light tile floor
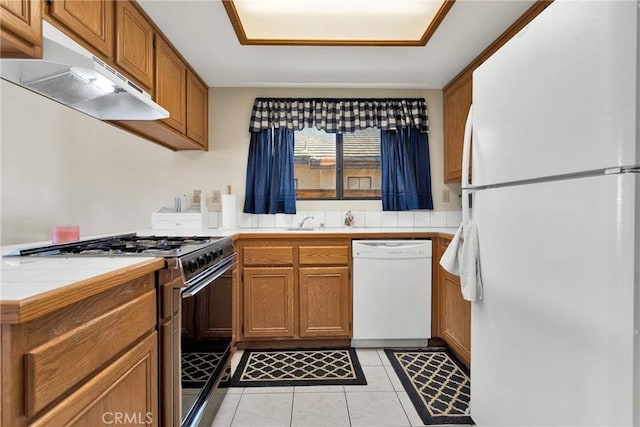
(382,402)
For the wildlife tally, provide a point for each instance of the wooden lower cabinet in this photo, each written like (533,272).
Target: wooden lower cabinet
(85,362)
(213,309)
(268,302)
(324,302)
(126,390)
(188,317)
(207,315)
(294,289)
(451,313)
(169,374)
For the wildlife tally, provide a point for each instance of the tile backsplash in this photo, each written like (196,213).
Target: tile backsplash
(335,219)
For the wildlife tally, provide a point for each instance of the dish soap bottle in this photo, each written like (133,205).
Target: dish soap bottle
(348,219)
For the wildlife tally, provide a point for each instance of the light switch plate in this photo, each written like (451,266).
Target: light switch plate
(215,198)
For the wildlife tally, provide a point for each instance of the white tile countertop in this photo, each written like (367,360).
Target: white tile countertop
(25,277)
(349,231)
(28,278)
(27,283)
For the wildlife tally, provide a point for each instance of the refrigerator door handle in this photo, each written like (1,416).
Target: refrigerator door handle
(467,190)
(466,148)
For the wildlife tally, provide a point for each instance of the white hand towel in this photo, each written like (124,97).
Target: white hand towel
(462,259)
(449,260)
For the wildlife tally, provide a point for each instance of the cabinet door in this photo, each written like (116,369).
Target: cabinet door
(456,318)
(268,302)
(169,373)
(236,311)
(457,100)
(20,29)
(325,302)
(214,309)
(453,313)
(90,20)
(197,110)
(188,316)
(127,386)
(171,75)
(134,43)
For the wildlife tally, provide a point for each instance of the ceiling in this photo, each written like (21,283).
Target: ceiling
(336,22)
(202,32)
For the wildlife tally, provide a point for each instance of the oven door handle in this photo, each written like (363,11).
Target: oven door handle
(199,285)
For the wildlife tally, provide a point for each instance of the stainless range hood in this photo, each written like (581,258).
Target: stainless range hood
(73,76)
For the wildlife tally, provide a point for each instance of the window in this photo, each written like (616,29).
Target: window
(333,166)
(358,183)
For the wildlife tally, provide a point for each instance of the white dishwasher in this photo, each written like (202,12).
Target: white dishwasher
(391,293)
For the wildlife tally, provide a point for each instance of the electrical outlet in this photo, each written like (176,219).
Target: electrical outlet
(215,198)
(446,196)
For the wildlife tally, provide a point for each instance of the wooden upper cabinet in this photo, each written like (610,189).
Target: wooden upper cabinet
(92,21)
(134,43)
(20,29)
(171,74)
(197,110)
(457,100)
(119,32)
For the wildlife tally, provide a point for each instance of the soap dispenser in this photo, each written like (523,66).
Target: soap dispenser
(348,219)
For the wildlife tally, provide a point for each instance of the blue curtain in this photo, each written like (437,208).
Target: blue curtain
(270,186)
(406,172)
(282,196)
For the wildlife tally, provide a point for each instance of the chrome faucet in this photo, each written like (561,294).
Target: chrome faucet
(301,223)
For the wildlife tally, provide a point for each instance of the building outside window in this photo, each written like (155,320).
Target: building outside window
(337,166)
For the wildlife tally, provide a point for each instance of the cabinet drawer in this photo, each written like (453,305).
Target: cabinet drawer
(55,367)
(126,387)
(268,255)
(324,255)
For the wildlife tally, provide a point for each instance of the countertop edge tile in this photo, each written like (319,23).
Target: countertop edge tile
(14,309)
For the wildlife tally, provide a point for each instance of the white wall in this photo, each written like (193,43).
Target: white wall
(62,167)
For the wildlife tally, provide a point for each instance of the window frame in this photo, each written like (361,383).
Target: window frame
(339,176)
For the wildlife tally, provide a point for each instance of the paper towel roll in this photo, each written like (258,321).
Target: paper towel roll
(229,211)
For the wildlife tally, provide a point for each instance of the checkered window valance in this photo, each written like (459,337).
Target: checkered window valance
(339,115)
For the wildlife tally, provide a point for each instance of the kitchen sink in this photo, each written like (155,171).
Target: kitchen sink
(298,228)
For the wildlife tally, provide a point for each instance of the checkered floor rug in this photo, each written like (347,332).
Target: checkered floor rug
(436,382)
(268,368)
(198,367)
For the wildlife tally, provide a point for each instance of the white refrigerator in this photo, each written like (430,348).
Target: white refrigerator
(555,197)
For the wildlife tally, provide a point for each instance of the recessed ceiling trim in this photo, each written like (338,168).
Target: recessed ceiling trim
(236,22)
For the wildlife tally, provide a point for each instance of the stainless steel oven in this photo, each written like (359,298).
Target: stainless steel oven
(194,314)
(205,329)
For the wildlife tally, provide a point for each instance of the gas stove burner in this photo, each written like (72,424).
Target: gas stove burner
(187,248)
(153,245)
